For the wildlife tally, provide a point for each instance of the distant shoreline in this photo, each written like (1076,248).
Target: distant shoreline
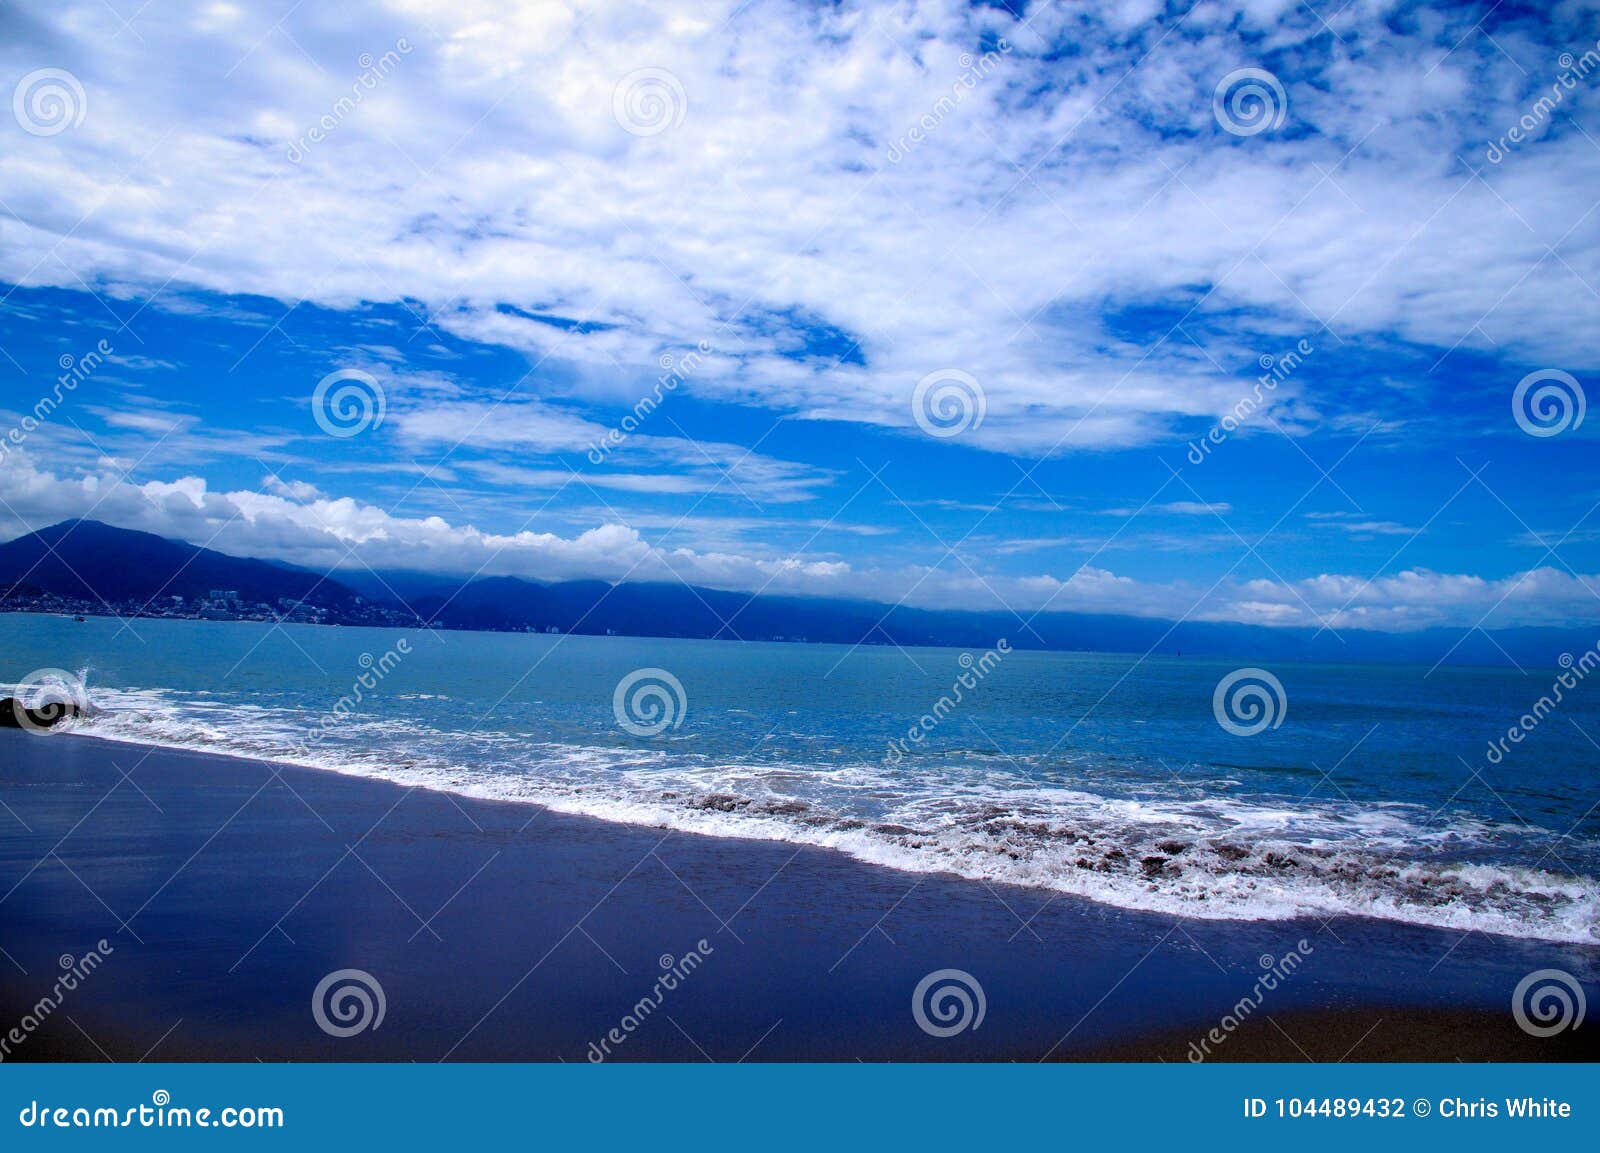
(1134,654)
(86,567)
(86,609)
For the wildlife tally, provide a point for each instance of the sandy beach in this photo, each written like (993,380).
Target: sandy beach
(225,890)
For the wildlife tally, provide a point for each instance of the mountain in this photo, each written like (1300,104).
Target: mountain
(94,562)
(675,610)
(99,565)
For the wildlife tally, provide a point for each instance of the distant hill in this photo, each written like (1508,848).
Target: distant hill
(675,610)
(96,562)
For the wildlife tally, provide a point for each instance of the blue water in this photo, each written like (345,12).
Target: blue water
(1106,776)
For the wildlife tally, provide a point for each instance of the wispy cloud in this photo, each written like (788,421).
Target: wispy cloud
(1175,508)
(489,185)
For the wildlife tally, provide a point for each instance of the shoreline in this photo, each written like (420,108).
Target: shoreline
(230,888)
(850,842)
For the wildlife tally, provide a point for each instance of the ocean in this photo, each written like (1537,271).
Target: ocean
(1298,790)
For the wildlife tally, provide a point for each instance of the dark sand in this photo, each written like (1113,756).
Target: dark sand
(228,888)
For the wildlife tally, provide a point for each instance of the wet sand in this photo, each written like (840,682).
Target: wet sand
(227,889)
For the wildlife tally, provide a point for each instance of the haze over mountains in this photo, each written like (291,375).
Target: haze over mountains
(101,568)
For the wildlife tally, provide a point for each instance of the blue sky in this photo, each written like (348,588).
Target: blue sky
(1094,224)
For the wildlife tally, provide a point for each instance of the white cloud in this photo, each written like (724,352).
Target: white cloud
(295,490)
(302,526)
(1077,234)
(527,426)
(487,169)
(1177,508)
(1361,526)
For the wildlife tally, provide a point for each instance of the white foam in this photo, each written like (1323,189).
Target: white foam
(1201,850)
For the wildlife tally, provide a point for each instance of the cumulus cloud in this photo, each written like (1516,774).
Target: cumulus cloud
(1073,228)
(301,525)
(834,202)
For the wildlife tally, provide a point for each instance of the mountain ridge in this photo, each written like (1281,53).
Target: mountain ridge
(95,561)
(102,567)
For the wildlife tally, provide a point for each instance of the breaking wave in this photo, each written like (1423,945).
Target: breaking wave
(1198,847)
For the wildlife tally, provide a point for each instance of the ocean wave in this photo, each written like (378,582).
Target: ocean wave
(1200,849)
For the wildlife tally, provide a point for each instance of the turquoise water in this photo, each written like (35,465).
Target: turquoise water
(1375,791)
